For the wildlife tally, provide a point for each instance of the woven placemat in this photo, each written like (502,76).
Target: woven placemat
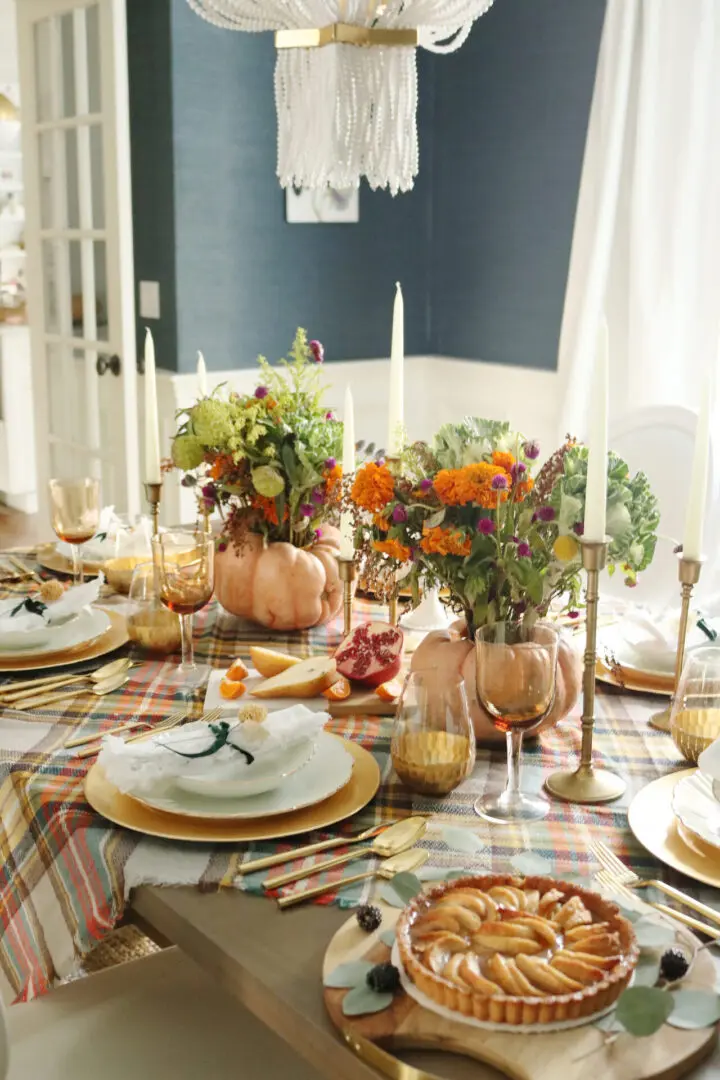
(125,943)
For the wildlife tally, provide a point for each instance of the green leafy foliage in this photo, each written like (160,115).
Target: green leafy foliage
(642,1010)
(347,975)
(694,1009)
(400,890)
(361,1000)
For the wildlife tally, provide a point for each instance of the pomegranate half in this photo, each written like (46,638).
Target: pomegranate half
(371,654)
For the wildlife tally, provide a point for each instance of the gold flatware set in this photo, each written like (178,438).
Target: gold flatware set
(170,722)
(404,862)
(35,693)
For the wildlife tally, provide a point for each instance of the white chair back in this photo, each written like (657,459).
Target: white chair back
(660,441)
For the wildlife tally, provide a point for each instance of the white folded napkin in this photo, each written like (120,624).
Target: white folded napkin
(25,618)
(647,640)
(152,764)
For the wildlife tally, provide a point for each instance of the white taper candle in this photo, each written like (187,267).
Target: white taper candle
(396,411)
(152,430)
(695,516)
(201,375)
(596,492)
(347,539)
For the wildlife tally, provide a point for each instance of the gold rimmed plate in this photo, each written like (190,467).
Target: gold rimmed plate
(123,810)
(640,682)
(112,638)
(50,558)
(653,822)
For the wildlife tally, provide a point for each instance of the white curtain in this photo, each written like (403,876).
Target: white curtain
(646,247)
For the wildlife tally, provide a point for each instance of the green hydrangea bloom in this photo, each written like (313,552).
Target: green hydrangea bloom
(210,422)
(187,452)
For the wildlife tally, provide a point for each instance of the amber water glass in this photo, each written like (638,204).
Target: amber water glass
(433,742)
(75,514)
(184,562)
(516,672)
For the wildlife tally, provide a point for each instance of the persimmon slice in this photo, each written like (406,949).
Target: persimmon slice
(231,690)
(237,672)
(389,691)
(339,691)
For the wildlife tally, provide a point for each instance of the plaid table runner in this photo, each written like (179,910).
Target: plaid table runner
(66,873)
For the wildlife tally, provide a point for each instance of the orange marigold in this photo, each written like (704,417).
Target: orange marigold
(393,548)
(333,479)
(373,487)
(504,459)
(471,484)
(223,463)
(268,508)
(439,541)
(381,523)
(522,489)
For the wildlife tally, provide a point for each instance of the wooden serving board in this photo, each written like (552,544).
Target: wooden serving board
(575,1054)
(362,701)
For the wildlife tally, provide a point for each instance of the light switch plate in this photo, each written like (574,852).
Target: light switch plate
(149,299)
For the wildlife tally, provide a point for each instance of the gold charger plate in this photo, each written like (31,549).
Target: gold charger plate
(654,824)
(123,810)
(51,559)
(111,639)
(630,679)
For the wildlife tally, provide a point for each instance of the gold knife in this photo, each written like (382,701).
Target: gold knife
(312,849)
(385,1063)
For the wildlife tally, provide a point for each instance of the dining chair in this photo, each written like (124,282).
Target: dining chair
(157,1018)
(659,440)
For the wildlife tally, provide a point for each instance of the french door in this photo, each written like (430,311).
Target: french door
(76,148)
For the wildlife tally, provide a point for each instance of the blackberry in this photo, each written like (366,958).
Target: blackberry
(368,917)
(383,978)
(673,965)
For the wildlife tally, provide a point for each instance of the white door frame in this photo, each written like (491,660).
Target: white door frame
(117,231)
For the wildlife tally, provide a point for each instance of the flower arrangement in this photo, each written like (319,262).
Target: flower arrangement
(267,460)
(468,512)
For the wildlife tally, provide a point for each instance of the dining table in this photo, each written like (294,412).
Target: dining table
(69,876)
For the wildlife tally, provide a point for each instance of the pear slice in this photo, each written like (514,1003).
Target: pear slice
(304,680)
(268,662)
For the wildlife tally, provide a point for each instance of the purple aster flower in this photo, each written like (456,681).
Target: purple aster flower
(380,461)
(318,534)
(579,528)
(209,491)
(546,513)
(499,482)
(486,526)
(523,550)
(330,416)
(534,517)
(531,449)
(330,463)
(317,497)
(222,546)
(261,392)
(426,484)
(573,614)
(307,510)
(517,470)
(399,514)
(514,540)
(317,350)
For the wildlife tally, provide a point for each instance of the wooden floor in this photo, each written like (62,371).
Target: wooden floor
(17,529)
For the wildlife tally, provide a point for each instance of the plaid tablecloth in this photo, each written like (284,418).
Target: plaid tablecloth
(66,873)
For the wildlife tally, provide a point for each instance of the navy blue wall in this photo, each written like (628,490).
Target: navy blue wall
(512,108)
(481,245)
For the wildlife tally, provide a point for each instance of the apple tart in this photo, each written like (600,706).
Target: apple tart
(514,950)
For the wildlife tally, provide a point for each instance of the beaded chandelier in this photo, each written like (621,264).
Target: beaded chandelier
(346,81)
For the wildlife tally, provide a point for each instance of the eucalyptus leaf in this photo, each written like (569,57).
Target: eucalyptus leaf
(347,975)
(647,971)
(608,1023)
(361,1000)
(460,839)
(400,890)
(642,1010)
(529,862)
(388,938)
(631,914)
(653,935)
(694,1009)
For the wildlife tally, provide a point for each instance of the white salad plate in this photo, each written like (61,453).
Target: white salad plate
(265,774)
(695,807)
(328,770)
(80,629)
(214,700)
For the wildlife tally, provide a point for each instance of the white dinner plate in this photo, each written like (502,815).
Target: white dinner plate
(695,807)
(213,699)
(263,775)
(86,627)
(627,646)
(328,770)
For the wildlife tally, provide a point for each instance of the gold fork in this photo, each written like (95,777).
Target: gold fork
(312,849)
(172,721)
(135,722)
(623,875)
(622,892)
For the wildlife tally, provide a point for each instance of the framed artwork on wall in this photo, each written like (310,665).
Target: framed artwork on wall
(328,206)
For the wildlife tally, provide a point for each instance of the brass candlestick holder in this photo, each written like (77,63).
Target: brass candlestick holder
(347,572)
(688,576)
(153,494)
(588,783)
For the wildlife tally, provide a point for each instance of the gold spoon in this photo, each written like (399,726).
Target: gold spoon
(19,691)
(398,864)
(394,840)
(99,689)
